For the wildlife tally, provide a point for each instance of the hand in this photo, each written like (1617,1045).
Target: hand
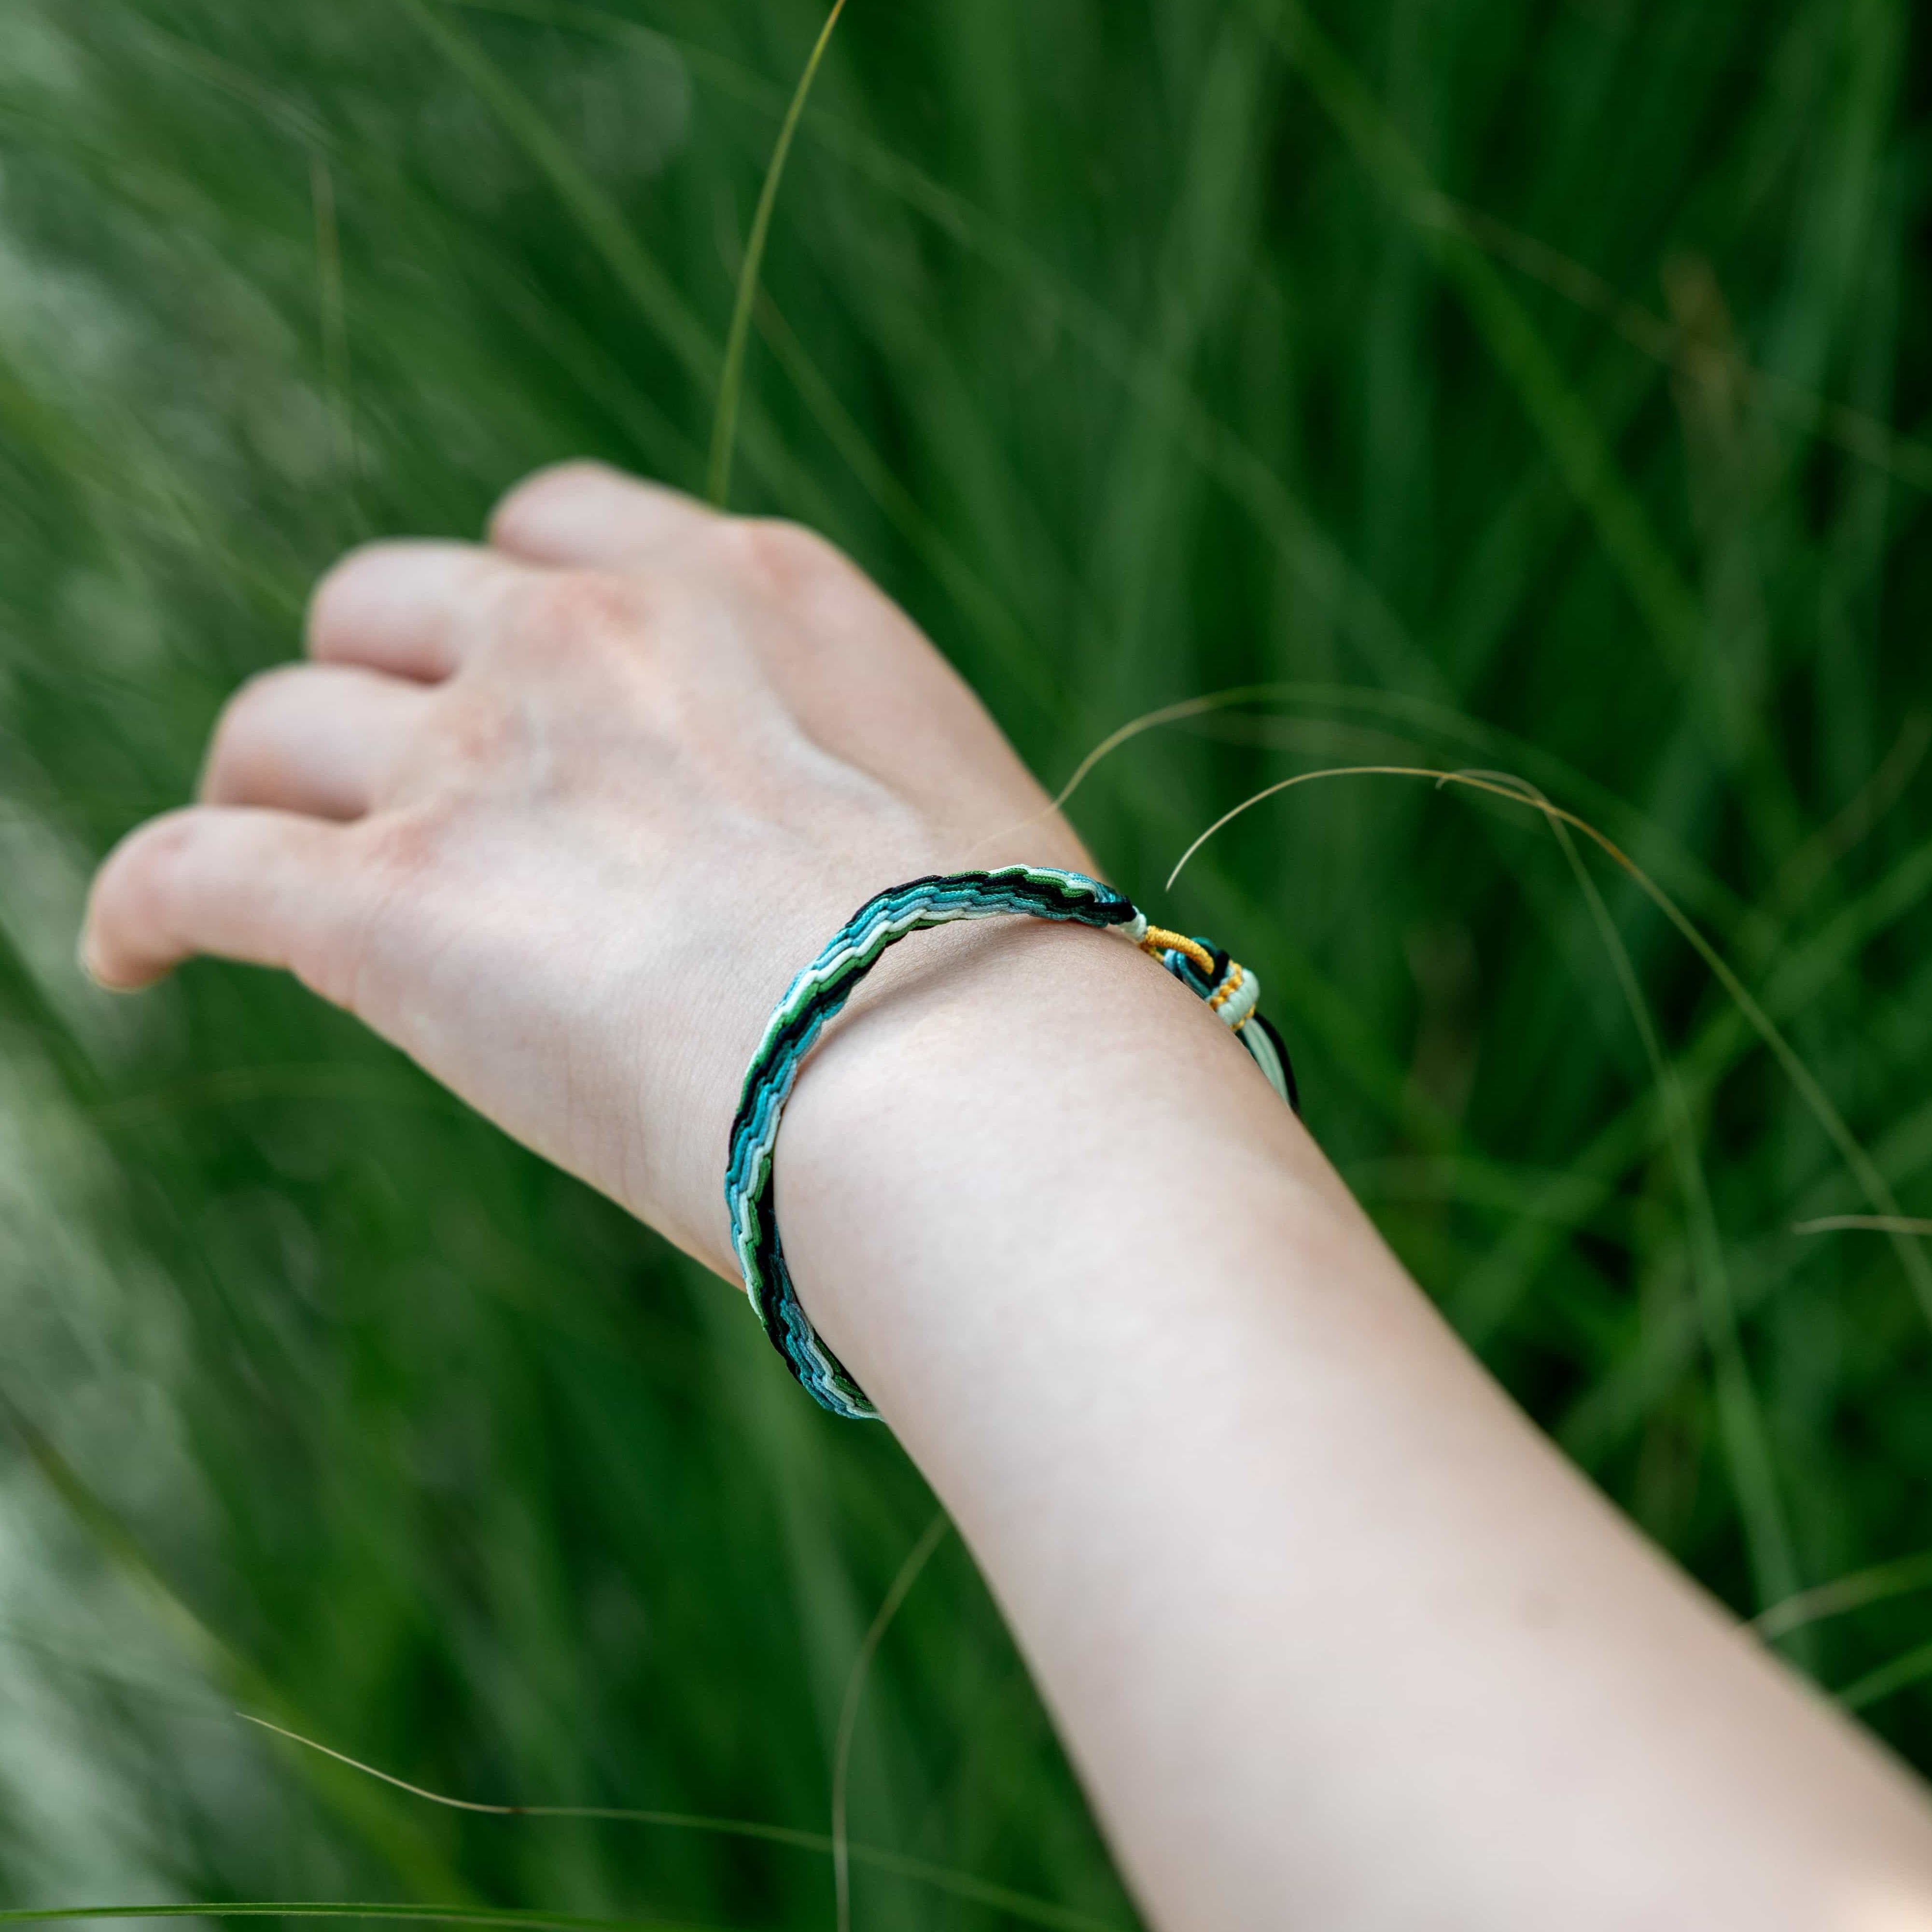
(561,815)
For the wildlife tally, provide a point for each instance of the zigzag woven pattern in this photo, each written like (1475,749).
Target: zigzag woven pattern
(818,994)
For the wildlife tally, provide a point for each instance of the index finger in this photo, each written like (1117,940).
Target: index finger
(269,887)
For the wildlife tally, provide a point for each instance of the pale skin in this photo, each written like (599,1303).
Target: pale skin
(1336,1639)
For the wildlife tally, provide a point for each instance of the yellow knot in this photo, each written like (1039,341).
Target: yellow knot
(1158,941)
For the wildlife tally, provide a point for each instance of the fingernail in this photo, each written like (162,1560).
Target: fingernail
(86,966)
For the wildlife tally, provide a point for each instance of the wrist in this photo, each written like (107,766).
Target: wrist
(829,981)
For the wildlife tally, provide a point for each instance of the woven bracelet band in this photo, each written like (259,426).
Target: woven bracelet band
(818,993)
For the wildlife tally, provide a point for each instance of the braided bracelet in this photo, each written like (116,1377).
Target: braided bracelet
(818,993)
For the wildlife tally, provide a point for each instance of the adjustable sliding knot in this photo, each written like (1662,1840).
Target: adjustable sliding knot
(1232,993)
(820,992)
(1229,988)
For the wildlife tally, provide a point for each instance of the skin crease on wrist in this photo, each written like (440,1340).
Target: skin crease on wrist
(1336,1638)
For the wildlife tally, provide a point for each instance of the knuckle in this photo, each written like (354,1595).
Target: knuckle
(400,864)
(399,851)
(542,497)
(477,729)
(240,723)
(388,866)
(156,853)
(262,691)
(344,591)
(784,554)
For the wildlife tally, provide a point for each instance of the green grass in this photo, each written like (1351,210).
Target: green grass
(1544,390)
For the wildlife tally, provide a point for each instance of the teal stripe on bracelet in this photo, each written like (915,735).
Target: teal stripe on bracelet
(818,993)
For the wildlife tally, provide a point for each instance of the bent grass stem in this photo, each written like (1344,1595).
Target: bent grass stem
(1864,1170)
(959,1885)
(917,1559)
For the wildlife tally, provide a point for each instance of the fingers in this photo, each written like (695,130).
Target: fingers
(419,610)
(414,610)
(589,514)
(317,739)
(265,887)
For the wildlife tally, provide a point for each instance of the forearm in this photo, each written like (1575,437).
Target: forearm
(1336,1638)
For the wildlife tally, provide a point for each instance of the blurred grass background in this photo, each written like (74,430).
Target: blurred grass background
(1539,388)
